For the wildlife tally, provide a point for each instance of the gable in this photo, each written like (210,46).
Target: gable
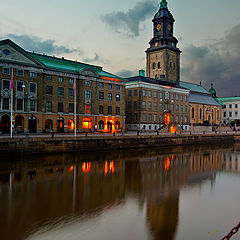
(10,52)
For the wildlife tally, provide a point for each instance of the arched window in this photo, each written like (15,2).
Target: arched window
(192,112)
(71,125)
(101,125)
(200,113)
(48,124)
(154,66)
(87,123)
(159,65)
(117,125)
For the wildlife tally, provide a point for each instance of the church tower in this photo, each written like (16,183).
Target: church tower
(163,56)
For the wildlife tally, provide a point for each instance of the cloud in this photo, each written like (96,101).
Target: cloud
(126,73)
(129,22)
(33,43)
(216,62)
(94,59)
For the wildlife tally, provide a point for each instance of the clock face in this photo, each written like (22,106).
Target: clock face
(159,26)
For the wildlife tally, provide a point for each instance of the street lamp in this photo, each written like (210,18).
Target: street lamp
(23,86)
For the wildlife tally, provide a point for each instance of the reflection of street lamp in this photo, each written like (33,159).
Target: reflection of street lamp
(23,86)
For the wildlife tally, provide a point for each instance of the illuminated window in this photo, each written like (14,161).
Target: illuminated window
(87,108)
(87,123)
(71,125)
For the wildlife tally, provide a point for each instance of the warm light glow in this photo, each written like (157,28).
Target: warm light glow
(167,118)
(167,163)
(167,87)
(87,108)
(70,169)
(71,125)
(87,123)
(86,167)
(109,124)
(172,129)
(109,167)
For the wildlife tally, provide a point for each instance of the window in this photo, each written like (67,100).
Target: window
(129,93)
(60,79)
(172,107)
(174,65)
(177,97)
(166,95)
(19,104)
(109,110)
(161,95)
(224,114)
(170,64)
(144,116)
(135,105)
(117,87)
(32,104)
(101,85)
(49,77)
(5,84)
(236,106)
(60,91)
(70,92)
(71,108)
(192,112)
(87,94)
(236,113)
(87,108)
(149,93)
(150,117)
(87,83)
(149,105)
(155,106)
(224,106)
(109,96)
(117,97)
(117,110)
(200,112)
(155,118)
(144,105)
(33,87)
(155,94)
(230,114)
(159,65)
(172,96)
(129,105)
(101,109)
(181,109)
(20,72)
(6,71)
(135,117)
(185,98)
(101,95)
(109,86)
(19,86)
(32,74)
(5,104)
(161,106)
(177,108)
(60,107)
(166,107)
(186,108)
(230,105)
(181,97)
(144,93)
(153,65)
(49,106)
(71,80)
(135,92)
(49,90)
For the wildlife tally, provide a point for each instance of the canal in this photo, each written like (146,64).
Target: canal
(167,194)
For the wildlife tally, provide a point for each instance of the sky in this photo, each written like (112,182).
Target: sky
(115,34)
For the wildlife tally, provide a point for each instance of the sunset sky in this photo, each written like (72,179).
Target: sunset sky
(115,34)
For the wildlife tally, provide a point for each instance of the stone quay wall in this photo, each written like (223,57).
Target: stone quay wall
(40,145)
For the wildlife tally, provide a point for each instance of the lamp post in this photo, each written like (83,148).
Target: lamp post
(23,86)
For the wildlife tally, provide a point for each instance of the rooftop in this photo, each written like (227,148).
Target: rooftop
(194,87)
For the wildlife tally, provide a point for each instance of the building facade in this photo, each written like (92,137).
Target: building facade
(151,104)
(43,93)
(204,109)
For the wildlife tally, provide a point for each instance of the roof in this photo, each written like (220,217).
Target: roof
(194,87)
(225,99)
(63,64)
(202,99)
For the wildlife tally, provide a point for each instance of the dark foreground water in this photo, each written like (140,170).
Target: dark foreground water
(173,194)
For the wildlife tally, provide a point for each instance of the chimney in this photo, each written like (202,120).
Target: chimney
(141,73)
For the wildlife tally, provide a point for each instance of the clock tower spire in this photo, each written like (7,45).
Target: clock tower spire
(163,55)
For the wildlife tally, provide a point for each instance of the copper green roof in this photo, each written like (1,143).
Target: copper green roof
(224,99)
(62,64)
(193,87)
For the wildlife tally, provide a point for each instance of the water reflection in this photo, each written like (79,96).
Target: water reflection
(39,196)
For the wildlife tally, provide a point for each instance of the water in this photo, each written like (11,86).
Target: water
(167,194)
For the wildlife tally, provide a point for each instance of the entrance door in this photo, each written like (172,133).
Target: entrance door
(109,126)
(5,124)
(60,125)
(32,125)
